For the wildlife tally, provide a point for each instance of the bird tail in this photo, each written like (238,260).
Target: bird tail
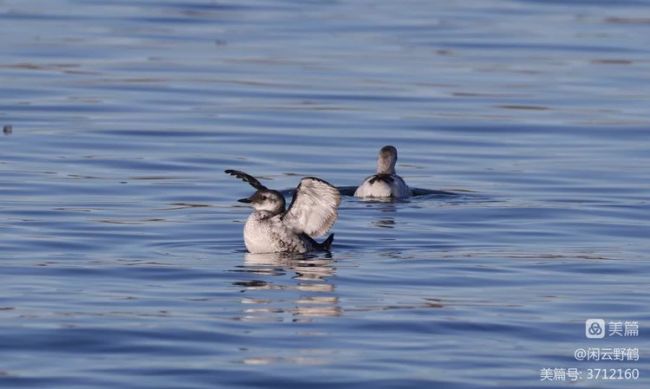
(327,243)
(325,246)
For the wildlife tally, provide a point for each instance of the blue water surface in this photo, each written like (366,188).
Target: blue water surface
(122,261)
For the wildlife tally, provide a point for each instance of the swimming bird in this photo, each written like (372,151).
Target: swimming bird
(386,183)
(272,228)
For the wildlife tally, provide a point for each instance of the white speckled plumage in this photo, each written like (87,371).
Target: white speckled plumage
(270,228)
(385,184)
(267,233)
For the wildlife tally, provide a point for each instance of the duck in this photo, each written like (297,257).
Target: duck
(385,184)
(273,228)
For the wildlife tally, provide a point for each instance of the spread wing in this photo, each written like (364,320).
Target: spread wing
(246,178)
(313,209)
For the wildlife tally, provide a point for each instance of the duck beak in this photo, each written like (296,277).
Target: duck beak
(246,201)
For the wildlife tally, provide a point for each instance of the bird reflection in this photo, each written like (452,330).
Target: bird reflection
(289,287)
(386,219)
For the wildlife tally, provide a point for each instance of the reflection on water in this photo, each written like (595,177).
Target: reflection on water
(385,215)
(522,125)
(300,285)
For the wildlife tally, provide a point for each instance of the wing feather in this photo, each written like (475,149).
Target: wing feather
(246,178)
(313,209)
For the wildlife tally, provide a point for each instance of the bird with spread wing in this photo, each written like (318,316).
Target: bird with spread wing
(274,228)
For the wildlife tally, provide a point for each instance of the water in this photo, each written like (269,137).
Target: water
(122,259)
